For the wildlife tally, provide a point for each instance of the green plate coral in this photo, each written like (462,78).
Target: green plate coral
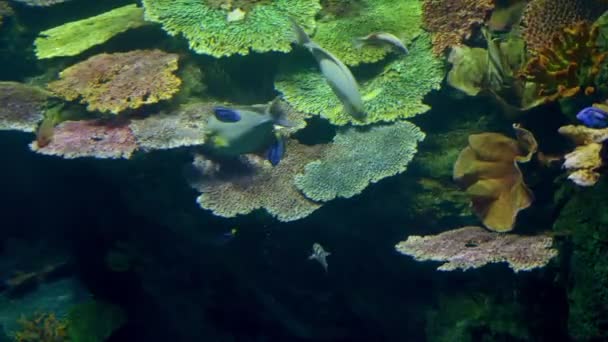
(209,31)
(357,158)
(403,18)
(396,93)
(75,37)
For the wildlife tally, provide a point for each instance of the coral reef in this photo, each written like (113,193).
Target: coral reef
(487,170)
(40,3)
(395,94)
(92,138)
(453,22)
(5,11)
(43,328)
(584,222)
(208,30)
(544,18)
(472,247)
(119,81)
(402,18)
(231,188)
(73,38)
(22,107)
(356,159)
(584,162)
(469,69)
(570,64)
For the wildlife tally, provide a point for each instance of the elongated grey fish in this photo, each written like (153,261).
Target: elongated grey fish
(337,75)
(378,38)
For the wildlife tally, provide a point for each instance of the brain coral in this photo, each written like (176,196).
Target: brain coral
(75,37)
(394,94)
(22,107)
(543,18)
(357,158)
(402,18)
(452,21)
(264,28)
(240,187)
(115,82)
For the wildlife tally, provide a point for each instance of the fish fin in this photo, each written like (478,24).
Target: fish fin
(219,141)
(225,114)
(276,151)
(302,37)
(279,116)
(311,257)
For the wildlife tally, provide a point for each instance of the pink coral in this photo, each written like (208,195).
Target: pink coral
(473,247)
(92,138)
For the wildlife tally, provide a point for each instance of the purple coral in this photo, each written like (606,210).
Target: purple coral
(90,138)
(473,247)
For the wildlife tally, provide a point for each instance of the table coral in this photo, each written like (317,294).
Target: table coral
(487,170)
(119,81)
(41,3)
(584,162)
(75,37)
(396,93)
(570,64)
(403,18)
(91,138)
(265,28)
(473,247)
(22,107)
(356,159)
(543,18)
(240,187)
(453,21)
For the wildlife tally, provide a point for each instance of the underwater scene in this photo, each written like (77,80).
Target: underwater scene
(304,170)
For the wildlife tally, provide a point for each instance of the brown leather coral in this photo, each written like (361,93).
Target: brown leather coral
(487,170)
(119,81)
(452,21)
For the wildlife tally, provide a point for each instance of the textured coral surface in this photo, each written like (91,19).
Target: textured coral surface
(22,107)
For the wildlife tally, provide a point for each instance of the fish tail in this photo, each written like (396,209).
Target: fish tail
(301,37)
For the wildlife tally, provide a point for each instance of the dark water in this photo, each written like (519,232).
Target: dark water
(128,235)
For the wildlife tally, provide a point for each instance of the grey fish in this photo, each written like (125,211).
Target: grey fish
(382,38)
(337,75)
(250,129)
(319,254)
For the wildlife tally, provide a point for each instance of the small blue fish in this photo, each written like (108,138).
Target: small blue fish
(276,151)
(226,114)
(593,117)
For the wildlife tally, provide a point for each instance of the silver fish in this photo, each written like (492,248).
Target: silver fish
(379,38)
(242,130)
(337,75)
(319,254)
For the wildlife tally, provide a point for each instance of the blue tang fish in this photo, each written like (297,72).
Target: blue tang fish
(250,129)
(593,117)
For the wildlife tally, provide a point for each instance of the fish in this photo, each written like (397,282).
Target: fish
(250,129)
(45,132)
(337,75)
(593,117)
(319,254)
(226,237)
(379,38)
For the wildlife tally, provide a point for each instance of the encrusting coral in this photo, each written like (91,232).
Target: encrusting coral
(42,327)
(75,37)
(487,170)
(473,247)
(569,65)
(452,21)
(231,188)
(584,162)
(89,138)
(265,28)
(22,107)
(402,18)
(396,93)
(119,81)
(355,159)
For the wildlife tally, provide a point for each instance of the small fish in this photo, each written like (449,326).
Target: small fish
(251,129)
(593,117)
(379,38)
(319,254)
(337,75)
(226,237)
(45,132)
